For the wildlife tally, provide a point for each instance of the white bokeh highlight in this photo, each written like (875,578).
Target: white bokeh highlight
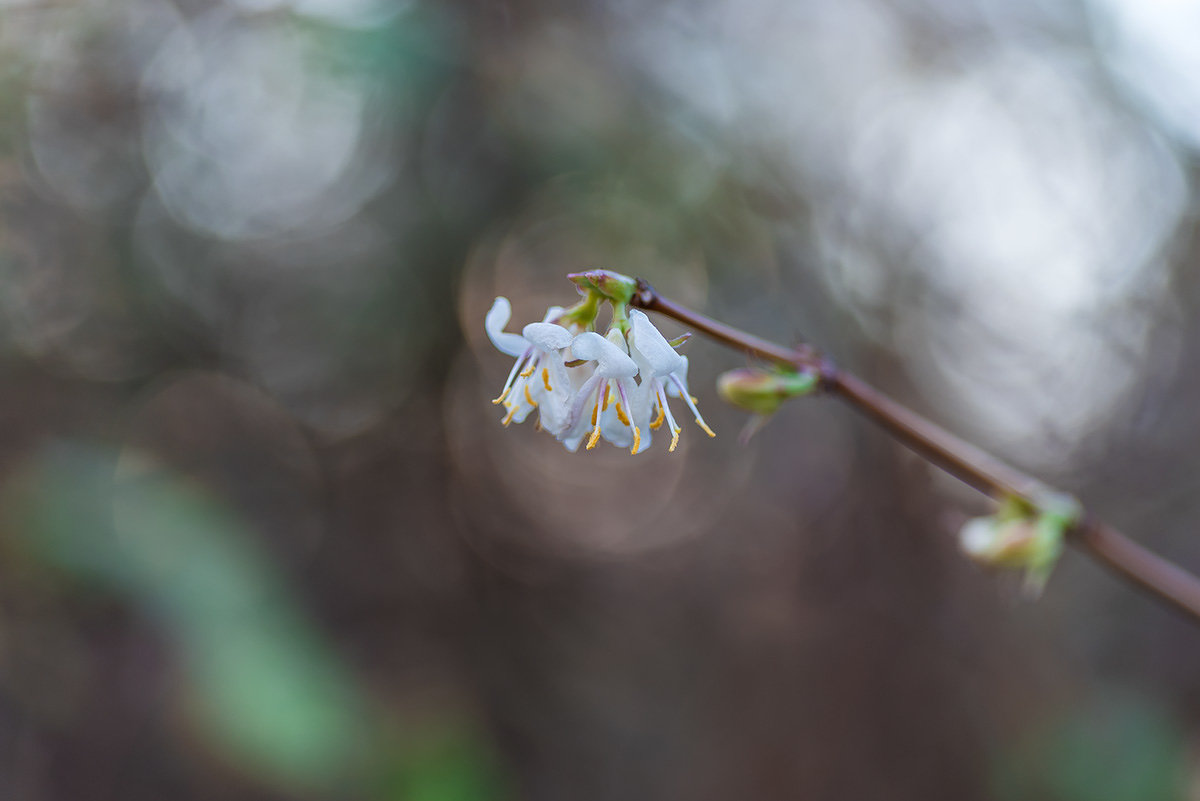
(998,218)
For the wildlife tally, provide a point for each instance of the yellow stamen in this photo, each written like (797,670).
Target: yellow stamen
(637,439)
(674,440)
(595,409)
(594,438)
(528,371)
(529,397)
(707,430)
(621,414)
(546,379)
(604,408)
(512,410)
(503,395)
(658,421)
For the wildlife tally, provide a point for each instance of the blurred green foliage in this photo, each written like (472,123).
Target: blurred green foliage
(259,680)
(1117,748)
(444,760)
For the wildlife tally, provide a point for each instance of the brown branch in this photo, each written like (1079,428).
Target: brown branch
(1160,578)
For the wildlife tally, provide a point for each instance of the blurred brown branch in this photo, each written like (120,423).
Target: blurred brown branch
(1159,577)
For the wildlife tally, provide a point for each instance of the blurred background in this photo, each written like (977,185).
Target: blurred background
(263,537)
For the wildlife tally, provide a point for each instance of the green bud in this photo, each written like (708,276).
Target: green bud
(763,391)
(611,286)
(1024,536)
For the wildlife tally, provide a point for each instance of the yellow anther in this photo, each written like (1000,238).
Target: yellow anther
(529,397)
(512,410)
(595,409)
(594,438)
(546,379)
(503,395)
(658,421)
(707,430)
(637,439)
(604,408)
(621,414)
(674,440)
(528,371)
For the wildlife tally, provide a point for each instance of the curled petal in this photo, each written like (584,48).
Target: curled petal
(659,354)
(498,317)
(547,336)
(611,361)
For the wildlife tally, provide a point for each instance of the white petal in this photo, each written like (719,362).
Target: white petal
(552,411)
(642,399)
(580,375)
(611,362)
(554,405)
(680,374)
(613,430)
(519,406)
(659,354)
(639,397)
(572,440)
(579,423)
(547,336)
(497,318)
(978,537)
(585,397)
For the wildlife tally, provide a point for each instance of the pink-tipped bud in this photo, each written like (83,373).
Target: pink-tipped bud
(1009,543)
(613,286)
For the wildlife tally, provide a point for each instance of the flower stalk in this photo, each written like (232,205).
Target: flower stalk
(1158,577)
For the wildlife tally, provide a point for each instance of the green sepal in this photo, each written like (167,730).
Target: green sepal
(582,314)
(1057,514)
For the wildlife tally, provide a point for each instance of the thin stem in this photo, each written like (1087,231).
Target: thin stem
(1158,577)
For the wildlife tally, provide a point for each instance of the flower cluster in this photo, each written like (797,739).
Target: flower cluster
(586,387)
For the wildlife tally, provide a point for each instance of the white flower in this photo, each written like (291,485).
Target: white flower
(608,387)
(663,373)
(606,393)
(538,379)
